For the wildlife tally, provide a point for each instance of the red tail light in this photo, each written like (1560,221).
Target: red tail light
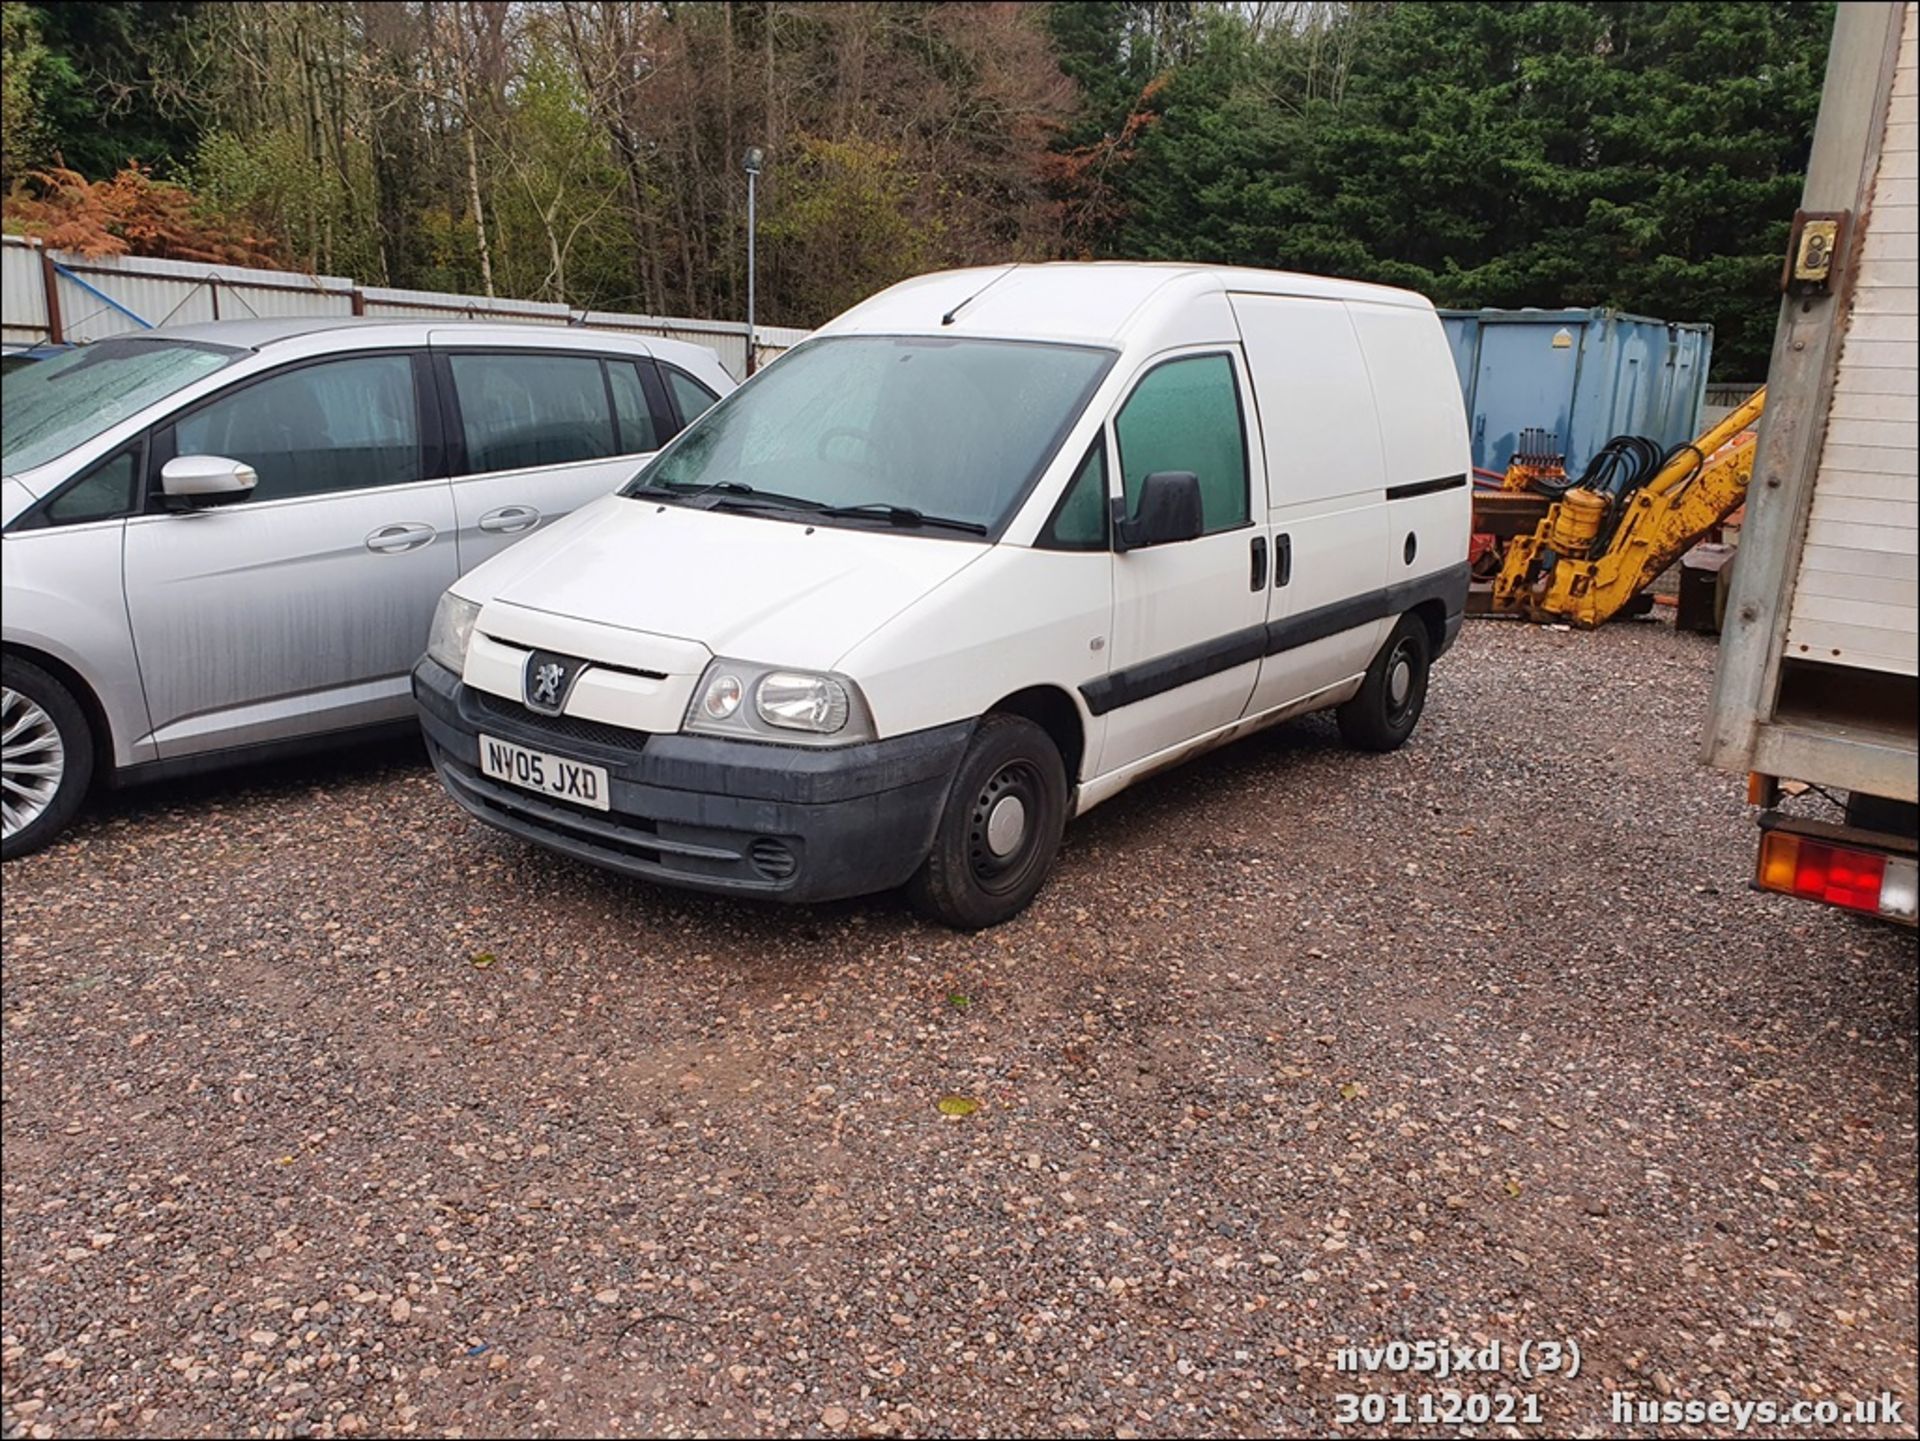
(1859,880)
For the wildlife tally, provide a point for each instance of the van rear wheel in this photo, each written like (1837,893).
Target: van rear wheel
(1000,831)
(1386,708)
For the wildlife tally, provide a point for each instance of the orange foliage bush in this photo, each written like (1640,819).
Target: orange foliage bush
(130,214)
(1082,180)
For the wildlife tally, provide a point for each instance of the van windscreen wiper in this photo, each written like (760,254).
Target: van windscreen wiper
(904,516)
(722,492)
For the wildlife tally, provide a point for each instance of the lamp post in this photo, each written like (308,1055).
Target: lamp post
(753,160)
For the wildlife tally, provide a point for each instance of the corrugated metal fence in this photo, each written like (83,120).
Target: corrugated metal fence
(1724,398)
(53,295)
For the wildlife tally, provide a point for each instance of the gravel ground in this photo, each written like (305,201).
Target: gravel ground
(328,1112)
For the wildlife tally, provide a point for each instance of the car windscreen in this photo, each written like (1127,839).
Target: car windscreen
(66,400)
(950,427)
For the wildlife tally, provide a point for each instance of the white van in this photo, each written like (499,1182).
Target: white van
(973,558)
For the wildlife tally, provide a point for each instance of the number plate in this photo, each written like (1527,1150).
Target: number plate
(541,771)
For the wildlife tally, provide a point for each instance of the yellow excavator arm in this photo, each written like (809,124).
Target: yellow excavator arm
(1584,563)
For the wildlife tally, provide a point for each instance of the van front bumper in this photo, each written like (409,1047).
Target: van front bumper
(792,823)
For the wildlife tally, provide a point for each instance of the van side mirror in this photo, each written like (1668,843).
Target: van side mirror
(191,482)
(1169,510)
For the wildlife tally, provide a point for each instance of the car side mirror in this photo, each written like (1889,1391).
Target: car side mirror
(191,482)
(1169,511)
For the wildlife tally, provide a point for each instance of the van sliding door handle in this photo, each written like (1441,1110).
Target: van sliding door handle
(1282,560)
(1259,575)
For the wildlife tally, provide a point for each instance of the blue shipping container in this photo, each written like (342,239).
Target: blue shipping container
(1583,375)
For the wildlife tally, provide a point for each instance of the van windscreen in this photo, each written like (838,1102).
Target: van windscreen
(957,428)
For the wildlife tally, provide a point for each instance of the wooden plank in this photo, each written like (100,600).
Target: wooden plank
(1878,354)
(1891,192)
(1843,535)
(1888,615)
(1878,564)
(1894,218)
(1866,484)
(1874,459)
(1892,434)
(1874,589)
(1851,404)
(1848,635)
(1864,646)
(1889,245)
(1890,297)
(1902,329)
(1853,510)
(1896,380)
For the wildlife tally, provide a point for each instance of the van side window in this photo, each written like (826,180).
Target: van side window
(1185,415)
(338,425)
(111,488)
(1079,521)
(690,395)
(519,411)
(630,409)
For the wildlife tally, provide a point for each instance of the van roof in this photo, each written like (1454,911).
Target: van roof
(1095,302)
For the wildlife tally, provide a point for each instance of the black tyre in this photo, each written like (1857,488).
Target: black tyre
(1000,831)
(46,757)
(1386,708)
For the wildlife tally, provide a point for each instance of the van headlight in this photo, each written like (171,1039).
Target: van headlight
(797,707)
(452,631)
(795,700)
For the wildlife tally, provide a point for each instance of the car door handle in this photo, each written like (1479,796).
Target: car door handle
(1282,560)
(510,518)
(392,539)
(1259,574)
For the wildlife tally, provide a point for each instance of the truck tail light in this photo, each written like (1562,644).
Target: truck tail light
(1859,880)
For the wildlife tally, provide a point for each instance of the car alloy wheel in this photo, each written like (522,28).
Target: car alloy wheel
(33,761)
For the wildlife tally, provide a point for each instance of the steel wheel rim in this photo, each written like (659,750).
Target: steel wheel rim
(1400,682)
(1013,791)
(33,761)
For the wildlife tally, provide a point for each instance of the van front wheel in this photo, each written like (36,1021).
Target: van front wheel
(1386,708)
(1000,830)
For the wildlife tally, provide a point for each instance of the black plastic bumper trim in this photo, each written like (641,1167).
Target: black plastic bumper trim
(688,810)
(1197,662)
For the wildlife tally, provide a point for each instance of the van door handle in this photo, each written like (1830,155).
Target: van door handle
(392,539)
(1282,560)
(510,518)
(1259,577)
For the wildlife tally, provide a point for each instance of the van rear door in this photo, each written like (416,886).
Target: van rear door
(1423,435)
(1324,491)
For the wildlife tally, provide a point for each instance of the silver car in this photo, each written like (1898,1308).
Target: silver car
(226,541)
